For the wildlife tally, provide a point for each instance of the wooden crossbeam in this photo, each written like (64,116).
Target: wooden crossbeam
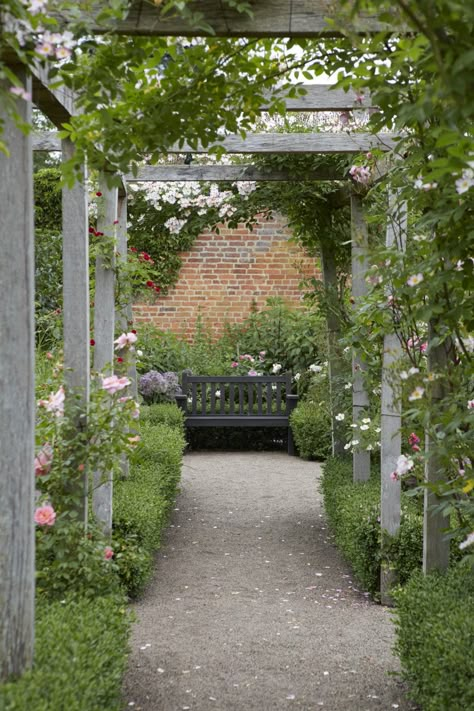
(57,104)
(270,18)
(265,143)
(220,173)
(323,97)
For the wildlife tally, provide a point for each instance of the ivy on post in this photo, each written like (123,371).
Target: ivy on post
(391,415)
(76,308)
(17,382)
(360,396)
(104,325)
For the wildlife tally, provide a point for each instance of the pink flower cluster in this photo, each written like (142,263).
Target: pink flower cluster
(404,465)
(414,442)
(43,460)
(361,174)
(108,553)
(55,402)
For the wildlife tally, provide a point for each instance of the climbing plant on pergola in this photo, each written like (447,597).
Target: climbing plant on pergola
(271,18)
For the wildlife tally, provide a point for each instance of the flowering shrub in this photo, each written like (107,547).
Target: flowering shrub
(159,387)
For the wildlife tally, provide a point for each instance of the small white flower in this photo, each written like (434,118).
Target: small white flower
(218,393)
(347,386)
(403,375)
(354,425)
(347,446)
(364,427)
(366,420)
(315,368)
(139,353)
(276,368)
(369,448)
(415,279)
(413,371)
(340,416)
(417,393)
(297,376)
(378,429)
(355,442)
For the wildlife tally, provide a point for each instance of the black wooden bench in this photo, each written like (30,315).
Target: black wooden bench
(238,401)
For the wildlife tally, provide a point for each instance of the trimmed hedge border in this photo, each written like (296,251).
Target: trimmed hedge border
(435,638)
(80,656)
(143,500)
(353,512)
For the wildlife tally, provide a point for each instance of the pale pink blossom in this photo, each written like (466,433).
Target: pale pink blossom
(252,372)
(43,460)
(404,465)
(108,553)
(55,402)
(45,515)
(21,92)
(470,404)
(113,384)
(360,173)
(136,410)
(234,364)
(415,279)
(125,340)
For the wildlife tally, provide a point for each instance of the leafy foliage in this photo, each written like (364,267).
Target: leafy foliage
(80,656)
(435,628)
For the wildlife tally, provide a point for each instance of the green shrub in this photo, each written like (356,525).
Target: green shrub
(311,427)
(435,638)
(143,500)
(353,511)
(80,655)
(163,413)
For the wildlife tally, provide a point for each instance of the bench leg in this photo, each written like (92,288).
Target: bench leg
(291,443)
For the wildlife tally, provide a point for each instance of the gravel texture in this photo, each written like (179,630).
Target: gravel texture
(251,606)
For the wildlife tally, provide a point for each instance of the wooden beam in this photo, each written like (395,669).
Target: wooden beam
(324,97)
(17,386)
(360,396)
(233,173)
(391,413)
(57,104)
(104,325)
(76,308)
(270,18)
(265,143)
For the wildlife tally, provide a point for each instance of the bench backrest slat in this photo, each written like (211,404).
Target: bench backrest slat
(250,397)
(194,398)
(231,398)
(278,398)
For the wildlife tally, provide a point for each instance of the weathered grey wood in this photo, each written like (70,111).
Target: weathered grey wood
(270,18)
(435,544)
(360,396)
(234,173)
(324,97)
(335,364)
(343,142)
(56,103)
(17,387)
(104,325)
(76,307)
(391,421)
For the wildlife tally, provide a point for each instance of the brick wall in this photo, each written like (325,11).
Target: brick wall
(223,274)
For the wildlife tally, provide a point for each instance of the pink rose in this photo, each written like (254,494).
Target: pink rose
(108,553)
(55,402)
(252,372)
(45,515)
(43,460)
(113,384)
(234,364)
(125,340)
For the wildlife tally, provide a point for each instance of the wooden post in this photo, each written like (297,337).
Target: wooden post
(335,366)
(104,324)
(17,387)
(435,544)
(76,305)
(391,443)
(360,396)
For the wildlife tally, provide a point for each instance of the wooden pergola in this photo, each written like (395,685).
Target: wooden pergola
(273,18)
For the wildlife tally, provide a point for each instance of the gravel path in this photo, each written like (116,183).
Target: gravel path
(251,606)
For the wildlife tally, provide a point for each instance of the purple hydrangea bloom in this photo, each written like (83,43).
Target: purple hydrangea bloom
(159,387)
